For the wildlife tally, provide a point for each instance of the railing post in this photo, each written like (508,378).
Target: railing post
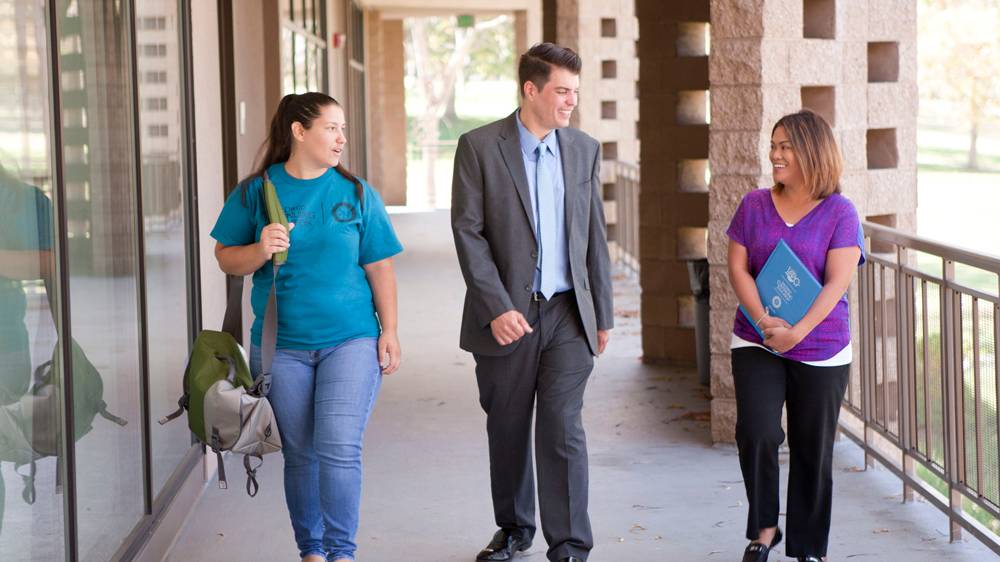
(952,401)
(865,309)
(904,368)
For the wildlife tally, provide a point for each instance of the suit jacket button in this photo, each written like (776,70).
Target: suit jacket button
(527,288)
(534,255)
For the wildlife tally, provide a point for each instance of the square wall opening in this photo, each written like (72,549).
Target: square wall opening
(819,19)
(821,99)
(883,62)
(881,149)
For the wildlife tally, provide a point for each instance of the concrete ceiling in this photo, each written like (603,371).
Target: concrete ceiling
(392,9)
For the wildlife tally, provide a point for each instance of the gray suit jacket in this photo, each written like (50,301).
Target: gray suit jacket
(494,230)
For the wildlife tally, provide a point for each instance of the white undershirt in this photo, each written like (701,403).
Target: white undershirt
(841,358)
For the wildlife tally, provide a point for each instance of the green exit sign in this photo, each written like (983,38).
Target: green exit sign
(466,21)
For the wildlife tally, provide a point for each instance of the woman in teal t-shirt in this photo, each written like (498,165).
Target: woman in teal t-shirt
(336,313)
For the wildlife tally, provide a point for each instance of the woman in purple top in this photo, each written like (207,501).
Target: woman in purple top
(805,366)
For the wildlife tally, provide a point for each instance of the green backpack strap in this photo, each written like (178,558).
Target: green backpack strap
(275,214)
(269,332)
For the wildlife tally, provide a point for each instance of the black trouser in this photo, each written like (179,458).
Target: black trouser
(552,365)
(764,382)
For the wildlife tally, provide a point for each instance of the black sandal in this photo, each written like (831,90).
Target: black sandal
(757,552)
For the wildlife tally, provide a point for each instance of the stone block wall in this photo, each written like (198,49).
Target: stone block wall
(674,151)
(604,34)
(852,61)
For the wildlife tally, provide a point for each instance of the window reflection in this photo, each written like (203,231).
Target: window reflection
(101,213)
(31,514)
(160,118)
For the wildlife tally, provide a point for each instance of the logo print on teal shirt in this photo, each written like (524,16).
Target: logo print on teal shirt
(300,215)
(344,212)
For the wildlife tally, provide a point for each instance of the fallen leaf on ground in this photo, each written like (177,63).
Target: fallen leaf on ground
(697,416)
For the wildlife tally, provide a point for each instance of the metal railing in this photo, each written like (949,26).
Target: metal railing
(922,398)
(434,162)
(623,216)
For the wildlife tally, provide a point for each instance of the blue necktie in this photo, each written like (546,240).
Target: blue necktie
(545,193)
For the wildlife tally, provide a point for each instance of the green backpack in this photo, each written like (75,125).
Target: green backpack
(31,428)
(226,409)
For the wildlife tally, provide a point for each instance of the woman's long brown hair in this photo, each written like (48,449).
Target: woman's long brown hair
(304,109)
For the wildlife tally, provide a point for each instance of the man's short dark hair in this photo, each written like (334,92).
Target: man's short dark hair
(536,64)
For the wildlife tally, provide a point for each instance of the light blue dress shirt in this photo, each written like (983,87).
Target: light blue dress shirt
(552,166)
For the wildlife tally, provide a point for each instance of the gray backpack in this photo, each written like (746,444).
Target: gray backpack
(227,410)
(31,427)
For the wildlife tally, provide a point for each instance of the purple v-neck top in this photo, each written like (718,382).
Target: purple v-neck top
(834,223)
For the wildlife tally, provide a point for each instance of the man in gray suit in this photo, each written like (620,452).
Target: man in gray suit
(528,221)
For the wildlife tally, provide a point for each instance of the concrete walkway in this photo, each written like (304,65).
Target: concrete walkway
(660,491)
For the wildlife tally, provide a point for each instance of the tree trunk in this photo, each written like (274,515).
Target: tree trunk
(449,113)
(437,81)
(973,163)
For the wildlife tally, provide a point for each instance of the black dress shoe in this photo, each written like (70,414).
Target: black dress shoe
(504,545)
(810,559)
(757,552)
(570,559)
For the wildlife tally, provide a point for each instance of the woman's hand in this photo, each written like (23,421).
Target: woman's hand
(772,322)
(389,354)
(274,239)
(782,339)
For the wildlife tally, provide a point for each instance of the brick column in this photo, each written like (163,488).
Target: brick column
(673,92)
(387,114)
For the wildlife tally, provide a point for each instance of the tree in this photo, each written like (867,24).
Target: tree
(959,47)
(440,51)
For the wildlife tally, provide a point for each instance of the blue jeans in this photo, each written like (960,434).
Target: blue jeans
(322,400)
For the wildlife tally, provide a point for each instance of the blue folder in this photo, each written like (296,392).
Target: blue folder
(786,288)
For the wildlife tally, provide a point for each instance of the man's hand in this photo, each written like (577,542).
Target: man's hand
(509,327)
(602,340)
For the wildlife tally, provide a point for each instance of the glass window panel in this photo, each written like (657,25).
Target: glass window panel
(301,56)
(314,69)
(300,63)
(287,69)
(163,218)
(28,531)
(103,273)
(306,53)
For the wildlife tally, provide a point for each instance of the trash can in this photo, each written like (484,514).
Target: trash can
(698,276)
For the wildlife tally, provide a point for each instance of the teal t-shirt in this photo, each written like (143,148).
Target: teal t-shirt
(27,227)
(323,296)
